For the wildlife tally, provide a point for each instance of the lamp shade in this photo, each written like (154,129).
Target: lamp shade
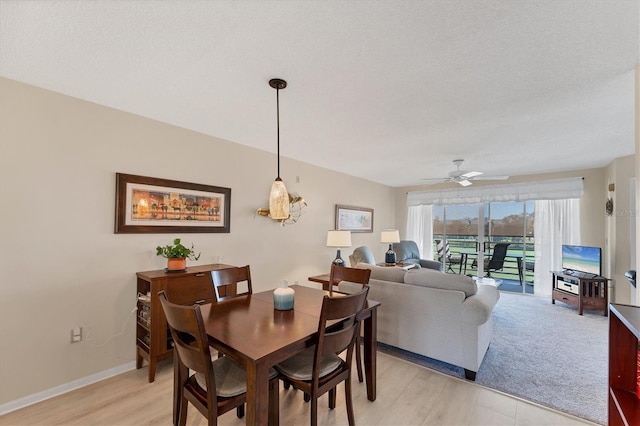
(390,236)
(278,200)
(339,239)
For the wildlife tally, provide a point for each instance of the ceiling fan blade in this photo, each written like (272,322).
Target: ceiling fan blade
(464,182)
(491,178)
(469,175)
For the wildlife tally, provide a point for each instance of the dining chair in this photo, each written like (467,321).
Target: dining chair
(358,276)
(444,253)
(318,369)
(216,386)
(495,262)
(228,279)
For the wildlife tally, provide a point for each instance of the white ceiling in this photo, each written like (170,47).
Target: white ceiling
(390,91)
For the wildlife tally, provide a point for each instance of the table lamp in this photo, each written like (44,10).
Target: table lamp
(390,236)
(339,239)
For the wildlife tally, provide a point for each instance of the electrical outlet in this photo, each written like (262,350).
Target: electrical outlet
(76,334)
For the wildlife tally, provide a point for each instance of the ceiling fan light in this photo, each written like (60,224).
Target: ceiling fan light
(278,200)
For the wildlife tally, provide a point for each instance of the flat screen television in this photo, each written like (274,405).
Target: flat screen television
(582,260)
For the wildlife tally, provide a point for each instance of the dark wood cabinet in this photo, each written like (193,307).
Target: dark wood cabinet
(582,292)
(624,363)
(153,341)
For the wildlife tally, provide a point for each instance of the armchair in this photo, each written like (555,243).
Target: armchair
(407,252)
(362,254)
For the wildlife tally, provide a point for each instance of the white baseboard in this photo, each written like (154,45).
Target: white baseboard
(67,387)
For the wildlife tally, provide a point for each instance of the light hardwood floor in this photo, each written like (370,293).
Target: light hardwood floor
(407,395)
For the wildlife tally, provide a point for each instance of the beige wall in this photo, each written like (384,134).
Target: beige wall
(61,265)
(618,227)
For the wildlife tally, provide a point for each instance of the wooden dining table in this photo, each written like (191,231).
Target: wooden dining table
(249,330)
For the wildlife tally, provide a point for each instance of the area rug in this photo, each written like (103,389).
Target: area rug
(544,353)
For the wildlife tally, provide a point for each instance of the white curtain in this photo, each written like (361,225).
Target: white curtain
(420,229)
(557,222)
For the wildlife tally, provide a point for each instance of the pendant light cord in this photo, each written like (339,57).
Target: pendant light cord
(278,119)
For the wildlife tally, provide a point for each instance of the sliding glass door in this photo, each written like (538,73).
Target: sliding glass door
(503,222)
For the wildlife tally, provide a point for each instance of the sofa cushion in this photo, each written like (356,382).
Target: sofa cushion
(384,273)
(436,279)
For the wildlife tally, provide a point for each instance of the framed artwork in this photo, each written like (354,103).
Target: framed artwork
(354,219)
(154,206)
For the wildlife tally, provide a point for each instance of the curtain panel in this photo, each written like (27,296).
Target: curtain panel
(557,223)
(420,229)
(556,189)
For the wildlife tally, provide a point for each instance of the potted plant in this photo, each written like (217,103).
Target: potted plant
(177,255)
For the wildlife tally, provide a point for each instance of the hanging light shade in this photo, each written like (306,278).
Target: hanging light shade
(279,197)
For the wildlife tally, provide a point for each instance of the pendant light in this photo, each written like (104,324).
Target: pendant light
(279,197)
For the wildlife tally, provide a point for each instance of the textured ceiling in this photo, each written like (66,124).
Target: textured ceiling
(390,91)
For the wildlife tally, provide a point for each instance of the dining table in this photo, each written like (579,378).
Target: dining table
(257,336)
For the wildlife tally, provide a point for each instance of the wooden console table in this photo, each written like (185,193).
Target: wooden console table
(581,291)
(194,285)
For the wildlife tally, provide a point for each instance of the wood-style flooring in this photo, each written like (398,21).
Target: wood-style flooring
(407,395)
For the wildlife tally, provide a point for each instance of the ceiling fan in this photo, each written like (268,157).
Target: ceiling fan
(464,178)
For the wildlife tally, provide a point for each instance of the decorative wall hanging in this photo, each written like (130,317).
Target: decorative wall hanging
(155,206)
(354,219)
(608,207)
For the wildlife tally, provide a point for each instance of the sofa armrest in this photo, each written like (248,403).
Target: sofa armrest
(477,309)
(432,264)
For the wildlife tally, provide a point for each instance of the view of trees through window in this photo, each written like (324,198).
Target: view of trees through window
(511,222)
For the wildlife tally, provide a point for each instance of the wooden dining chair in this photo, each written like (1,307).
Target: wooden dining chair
(216,386)
(318,369)
(354,275)
(228,280)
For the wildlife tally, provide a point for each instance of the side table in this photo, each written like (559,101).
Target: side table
(322,279)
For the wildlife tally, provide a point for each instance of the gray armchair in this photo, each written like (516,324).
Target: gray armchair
(407,252)
(362,254)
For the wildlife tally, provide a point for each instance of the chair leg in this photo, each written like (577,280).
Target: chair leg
(332,399)
(182,417)
(314,412)
(240,411)
(307,397)
(349,400)
(359,357)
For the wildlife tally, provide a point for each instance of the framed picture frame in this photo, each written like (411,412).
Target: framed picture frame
(354,219)
(157,206)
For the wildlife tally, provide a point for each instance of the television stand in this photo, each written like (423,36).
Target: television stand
(583,291)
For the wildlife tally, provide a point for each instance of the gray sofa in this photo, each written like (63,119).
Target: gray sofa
(442,316)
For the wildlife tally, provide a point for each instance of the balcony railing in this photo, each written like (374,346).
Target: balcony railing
(515,253)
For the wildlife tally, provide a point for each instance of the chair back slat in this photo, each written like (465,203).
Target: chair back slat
(189,336)
(354,275)
(444,251)
(338,324)
(229,279)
